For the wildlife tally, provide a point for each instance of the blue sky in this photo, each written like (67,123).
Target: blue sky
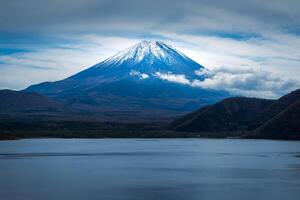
(251,47)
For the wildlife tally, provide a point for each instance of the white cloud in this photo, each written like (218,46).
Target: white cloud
(21,70)
(276,52)
(203,72)
(248,82)
(138,74)
(144,76)
(176,78)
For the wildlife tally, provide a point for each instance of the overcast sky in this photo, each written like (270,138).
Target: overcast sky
(252,47)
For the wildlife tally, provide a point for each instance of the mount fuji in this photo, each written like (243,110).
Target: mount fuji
(148,81)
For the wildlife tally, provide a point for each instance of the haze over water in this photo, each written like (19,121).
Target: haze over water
(138,169)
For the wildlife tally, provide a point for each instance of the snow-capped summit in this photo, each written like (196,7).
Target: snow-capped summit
(150,80)
(149,50)
(147,58)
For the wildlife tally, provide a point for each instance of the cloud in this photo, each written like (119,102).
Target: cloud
(203,72)
(279,53)
(138,74)
(248,82)
(20,70)
(176,78)
(140,15)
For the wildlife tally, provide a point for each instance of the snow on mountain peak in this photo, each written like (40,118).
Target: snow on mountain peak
(147,60)
(145,49)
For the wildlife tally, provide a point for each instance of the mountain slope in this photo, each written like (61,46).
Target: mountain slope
(258,118)
(228,115)
(17,104)
(285,125)
(276,108)
(149,80)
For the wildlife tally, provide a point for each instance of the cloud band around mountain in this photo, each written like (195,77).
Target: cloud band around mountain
(248,82)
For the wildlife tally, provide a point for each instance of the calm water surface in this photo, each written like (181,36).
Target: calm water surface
(152,169)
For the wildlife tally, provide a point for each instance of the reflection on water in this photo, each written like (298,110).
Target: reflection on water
(175,169)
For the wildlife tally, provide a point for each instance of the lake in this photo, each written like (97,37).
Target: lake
(149,169)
